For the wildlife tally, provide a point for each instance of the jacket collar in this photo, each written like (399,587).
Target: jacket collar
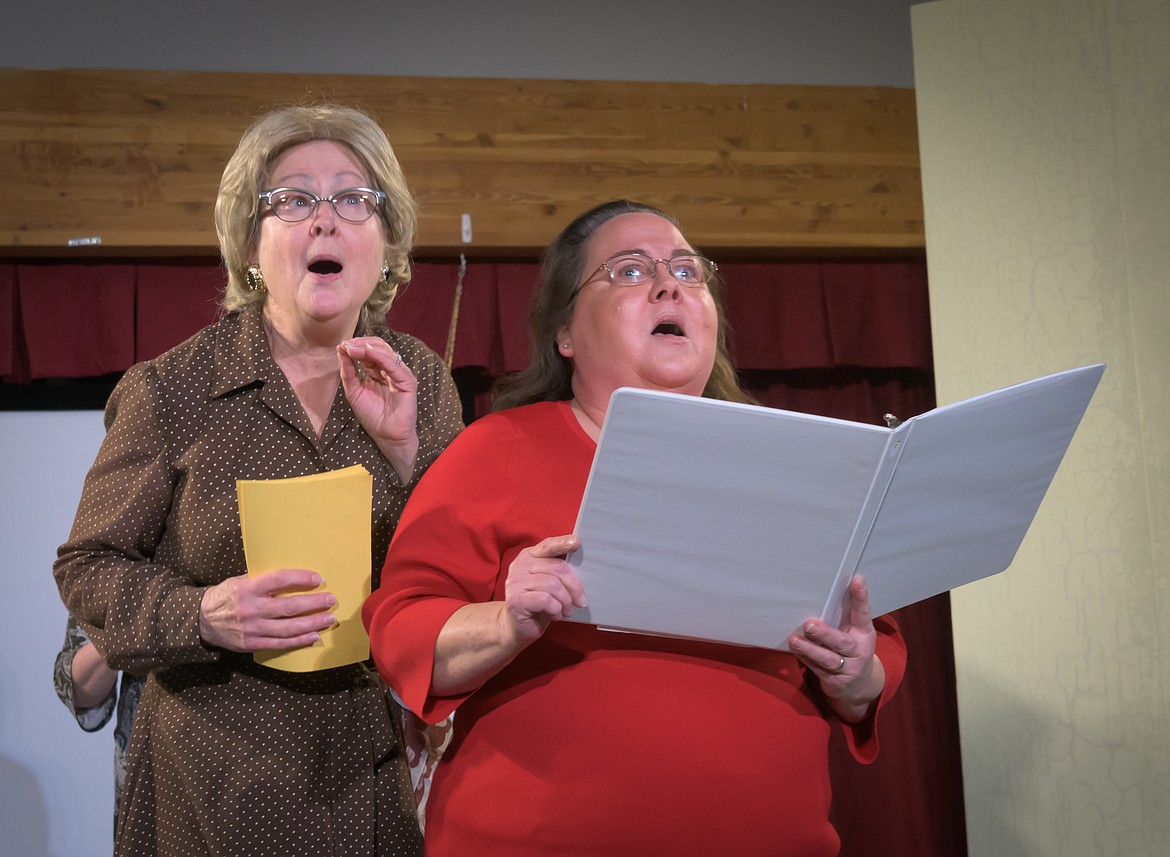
(242,357)
(244,360)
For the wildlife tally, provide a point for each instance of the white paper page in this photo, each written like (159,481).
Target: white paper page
(968,485)
(718,521)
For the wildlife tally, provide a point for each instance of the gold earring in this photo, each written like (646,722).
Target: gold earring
(385,273)
(254,278)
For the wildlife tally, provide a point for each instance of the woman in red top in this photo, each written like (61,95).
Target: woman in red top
(570,740)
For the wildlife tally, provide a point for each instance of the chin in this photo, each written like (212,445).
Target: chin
(687,386)
(330,310)
(679,378)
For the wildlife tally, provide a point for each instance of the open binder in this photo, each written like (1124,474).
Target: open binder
(731,522)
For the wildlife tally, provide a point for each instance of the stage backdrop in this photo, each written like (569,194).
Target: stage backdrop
(843,339)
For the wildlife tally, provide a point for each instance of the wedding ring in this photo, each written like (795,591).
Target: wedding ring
(398,362)
(840,667)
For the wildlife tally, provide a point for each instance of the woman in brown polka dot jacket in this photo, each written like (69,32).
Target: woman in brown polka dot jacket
(300,376)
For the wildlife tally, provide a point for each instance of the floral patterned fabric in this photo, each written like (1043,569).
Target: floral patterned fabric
(123,699)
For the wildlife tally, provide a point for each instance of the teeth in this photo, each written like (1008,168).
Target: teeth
(669,327)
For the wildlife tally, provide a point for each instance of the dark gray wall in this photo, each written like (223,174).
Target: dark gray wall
(830,42)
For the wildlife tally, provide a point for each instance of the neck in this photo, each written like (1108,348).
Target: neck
(589,416)
(304,342)
(311,370)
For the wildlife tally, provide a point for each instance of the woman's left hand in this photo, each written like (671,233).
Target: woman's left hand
(843,659)
(383,393)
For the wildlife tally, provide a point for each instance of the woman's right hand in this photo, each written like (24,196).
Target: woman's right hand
(542,587)
(246,614)
(481,638)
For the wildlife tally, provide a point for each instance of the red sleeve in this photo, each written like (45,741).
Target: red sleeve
(444,555)
(862,738)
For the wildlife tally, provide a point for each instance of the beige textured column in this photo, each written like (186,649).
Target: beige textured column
(1045,138)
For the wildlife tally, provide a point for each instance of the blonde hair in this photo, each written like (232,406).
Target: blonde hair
(237,207)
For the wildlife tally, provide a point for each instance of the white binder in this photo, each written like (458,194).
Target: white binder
(737,523)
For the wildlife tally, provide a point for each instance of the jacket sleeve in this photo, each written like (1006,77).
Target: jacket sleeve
(141,615)
(89,719)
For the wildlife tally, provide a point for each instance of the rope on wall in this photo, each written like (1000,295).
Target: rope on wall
(449,354)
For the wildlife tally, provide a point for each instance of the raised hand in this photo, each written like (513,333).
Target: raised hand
(383,393)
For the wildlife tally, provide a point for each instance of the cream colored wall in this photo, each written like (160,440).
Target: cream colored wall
(1045,139)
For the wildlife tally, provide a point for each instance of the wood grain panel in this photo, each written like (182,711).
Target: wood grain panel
(134,157)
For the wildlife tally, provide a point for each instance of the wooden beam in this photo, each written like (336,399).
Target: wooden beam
(134,158)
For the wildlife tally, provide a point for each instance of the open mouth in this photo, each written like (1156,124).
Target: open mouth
(667,328)
(325,266)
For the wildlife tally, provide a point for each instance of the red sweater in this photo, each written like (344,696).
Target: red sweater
(592,742)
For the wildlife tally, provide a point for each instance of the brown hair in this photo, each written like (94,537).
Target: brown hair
(237,208)
(548,376)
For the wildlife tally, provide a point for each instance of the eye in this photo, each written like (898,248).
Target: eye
(630,271)
(290,199)
(687,269)
(352,198)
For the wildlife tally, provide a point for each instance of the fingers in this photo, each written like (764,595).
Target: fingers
(290,633)
(288,584)
(542,587)
(827,651)
(268,611)
(860,615)
(844,660)
(559,570)
(555,546)
(371,357)
(839,655)
(284,580)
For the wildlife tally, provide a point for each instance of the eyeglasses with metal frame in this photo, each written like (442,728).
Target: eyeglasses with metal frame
(635,269)
(294,204)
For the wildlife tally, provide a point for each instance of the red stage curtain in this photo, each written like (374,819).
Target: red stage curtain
(173,302)
(77,320)
(9,312)
(843,339)
(784,316)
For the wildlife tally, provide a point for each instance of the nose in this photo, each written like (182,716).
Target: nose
(324,219)
(663,287)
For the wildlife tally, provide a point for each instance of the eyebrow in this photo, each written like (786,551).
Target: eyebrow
(641,252)
(306,178)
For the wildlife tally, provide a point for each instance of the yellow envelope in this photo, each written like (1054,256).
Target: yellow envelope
(322,523)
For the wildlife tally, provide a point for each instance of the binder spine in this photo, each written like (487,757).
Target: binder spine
(832,611)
